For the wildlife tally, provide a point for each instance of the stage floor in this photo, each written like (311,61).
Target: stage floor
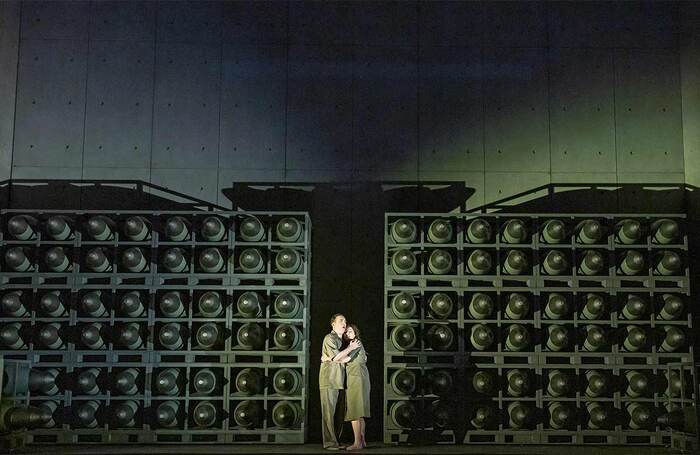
(373,449)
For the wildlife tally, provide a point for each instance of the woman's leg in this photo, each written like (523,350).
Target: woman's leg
(363,442)
(356,429)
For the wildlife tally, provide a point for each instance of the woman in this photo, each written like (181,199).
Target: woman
(358,387)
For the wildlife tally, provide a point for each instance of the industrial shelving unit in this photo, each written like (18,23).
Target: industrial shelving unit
(491,382)
(236,375)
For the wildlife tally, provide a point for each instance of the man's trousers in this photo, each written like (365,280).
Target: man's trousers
(329,399)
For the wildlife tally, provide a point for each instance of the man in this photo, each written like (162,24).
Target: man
(331,378)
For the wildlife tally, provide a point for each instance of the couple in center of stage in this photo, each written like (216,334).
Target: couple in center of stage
(343,355)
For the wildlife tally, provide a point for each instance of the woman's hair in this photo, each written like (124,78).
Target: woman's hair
(354,329)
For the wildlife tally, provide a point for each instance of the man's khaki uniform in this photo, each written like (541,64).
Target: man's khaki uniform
(331,379)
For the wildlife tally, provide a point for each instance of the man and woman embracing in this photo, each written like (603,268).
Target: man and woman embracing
(343,355)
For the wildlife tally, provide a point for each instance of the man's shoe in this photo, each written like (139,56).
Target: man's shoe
(332,447)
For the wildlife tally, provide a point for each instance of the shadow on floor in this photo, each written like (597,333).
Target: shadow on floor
(372,449)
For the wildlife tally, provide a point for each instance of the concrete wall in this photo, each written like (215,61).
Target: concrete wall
(194,96)
(690,88)
(9,44)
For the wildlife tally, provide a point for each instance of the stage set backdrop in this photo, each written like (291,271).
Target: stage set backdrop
(348,111)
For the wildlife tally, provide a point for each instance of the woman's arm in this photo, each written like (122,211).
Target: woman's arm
(325,358)
(354,344)
(343,356)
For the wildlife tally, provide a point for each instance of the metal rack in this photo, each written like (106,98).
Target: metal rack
(446,417)
(225,358)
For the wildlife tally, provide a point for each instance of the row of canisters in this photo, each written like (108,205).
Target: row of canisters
(140,259)
(171,414)
(520,337)
(550,305)
(141,228)
(104,303)
(526,415)
(170,381)
(552,262)
(553,382)
(139,336)
(485,230)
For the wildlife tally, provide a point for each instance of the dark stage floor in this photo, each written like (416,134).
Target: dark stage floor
(373,449)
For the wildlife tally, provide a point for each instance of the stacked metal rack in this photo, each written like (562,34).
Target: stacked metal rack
(155,326)
(536,328)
